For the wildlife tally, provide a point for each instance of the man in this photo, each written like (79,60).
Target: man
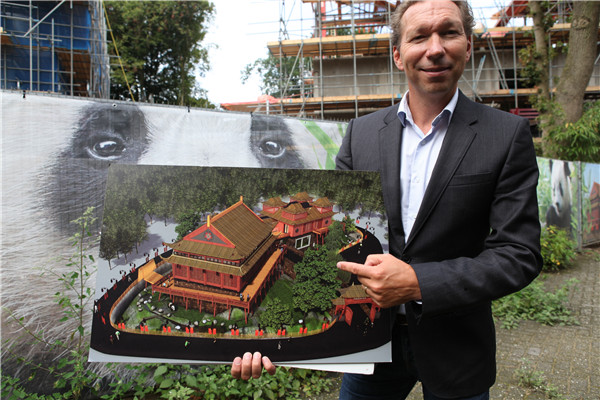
(459,182)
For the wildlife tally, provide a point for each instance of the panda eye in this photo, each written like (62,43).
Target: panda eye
(108,149)
(270,148)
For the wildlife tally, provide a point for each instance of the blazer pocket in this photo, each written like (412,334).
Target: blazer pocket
(471,179)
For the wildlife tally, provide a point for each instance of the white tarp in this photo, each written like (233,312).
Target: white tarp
(55,154)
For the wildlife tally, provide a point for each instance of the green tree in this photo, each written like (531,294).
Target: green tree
(581,55)
(281,77)
(316,282)
(159,43)
(276,314)
(109,247)
(336,238)
(187,221)
(567,106)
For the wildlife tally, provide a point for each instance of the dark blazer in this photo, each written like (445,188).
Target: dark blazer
(475,239)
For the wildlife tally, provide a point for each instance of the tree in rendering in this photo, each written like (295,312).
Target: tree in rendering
(316,282)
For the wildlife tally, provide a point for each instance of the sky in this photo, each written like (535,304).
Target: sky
(239,35)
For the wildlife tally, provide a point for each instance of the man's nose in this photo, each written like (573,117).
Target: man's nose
(435,46)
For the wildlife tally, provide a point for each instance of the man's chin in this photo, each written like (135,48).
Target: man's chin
(439,88)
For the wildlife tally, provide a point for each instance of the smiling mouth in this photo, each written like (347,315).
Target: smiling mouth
(435,70)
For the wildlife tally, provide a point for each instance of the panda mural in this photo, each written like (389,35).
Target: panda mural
(55,155)
(559,211)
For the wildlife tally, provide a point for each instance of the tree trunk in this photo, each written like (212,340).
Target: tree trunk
(541,48)
(579,64)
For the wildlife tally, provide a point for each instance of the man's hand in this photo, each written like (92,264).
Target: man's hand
(387,280)
(251,366)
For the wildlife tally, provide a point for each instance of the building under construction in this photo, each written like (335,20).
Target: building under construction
(54,46)
(351,69)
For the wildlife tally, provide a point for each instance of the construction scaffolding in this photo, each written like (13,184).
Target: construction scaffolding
(353,73)
(54,46)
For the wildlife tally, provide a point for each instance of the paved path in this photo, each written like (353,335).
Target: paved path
(567,356)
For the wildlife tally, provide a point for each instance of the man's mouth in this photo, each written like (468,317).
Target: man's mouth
(434,70)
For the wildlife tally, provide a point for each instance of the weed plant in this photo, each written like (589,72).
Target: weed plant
(558,249)
(72,378)
(536,381)
(534,303)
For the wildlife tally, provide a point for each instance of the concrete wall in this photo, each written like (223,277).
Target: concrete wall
(373,75)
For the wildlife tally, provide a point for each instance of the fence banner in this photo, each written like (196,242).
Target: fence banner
(56,151)
(55,156)
(569,198)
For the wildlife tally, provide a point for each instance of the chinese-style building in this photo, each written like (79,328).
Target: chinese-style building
(302,219)
(594,213)
(231,261)
(234,259)
(225,253)
(354,294)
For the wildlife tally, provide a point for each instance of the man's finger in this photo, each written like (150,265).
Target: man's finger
(354,268)
(256,365)
(246,366)
(269,366)
(236,368)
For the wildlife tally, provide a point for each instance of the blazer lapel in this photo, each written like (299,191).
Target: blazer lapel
(390,146)
(458,138)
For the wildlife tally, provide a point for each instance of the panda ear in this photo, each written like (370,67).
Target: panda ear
(567,169)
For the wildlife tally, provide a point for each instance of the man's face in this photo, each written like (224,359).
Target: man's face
(433,49)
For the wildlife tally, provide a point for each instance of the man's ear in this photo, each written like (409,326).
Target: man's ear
(398,59)
(469,48)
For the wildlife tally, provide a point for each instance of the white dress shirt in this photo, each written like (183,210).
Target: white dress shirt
(419,155)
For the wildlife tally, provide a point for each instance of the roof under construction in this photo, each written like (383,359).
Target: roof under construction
(353,72)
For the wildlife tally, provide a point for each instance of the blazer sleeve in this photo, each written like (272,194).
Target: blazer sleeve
(510,255)
(343,160)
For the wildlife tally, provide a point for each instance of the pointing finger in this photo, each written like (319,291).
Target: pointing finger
(354,268)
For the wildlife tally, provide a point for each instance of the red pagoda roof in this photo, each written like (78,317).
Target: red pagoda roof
(233,234)
(275,202)
(312,214)
(240,270)
(302,196)
(323,202)
(295,209)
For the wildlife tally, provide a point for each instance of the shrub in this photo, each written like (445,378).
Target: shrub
(577,141)
(536,304)
(558,249)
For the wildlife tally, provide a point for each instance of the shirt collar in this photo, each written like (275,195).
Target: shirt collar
(405,115)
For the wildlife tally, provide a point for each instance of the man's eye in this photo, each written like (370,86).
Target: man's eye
(270,148)
(107,149)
